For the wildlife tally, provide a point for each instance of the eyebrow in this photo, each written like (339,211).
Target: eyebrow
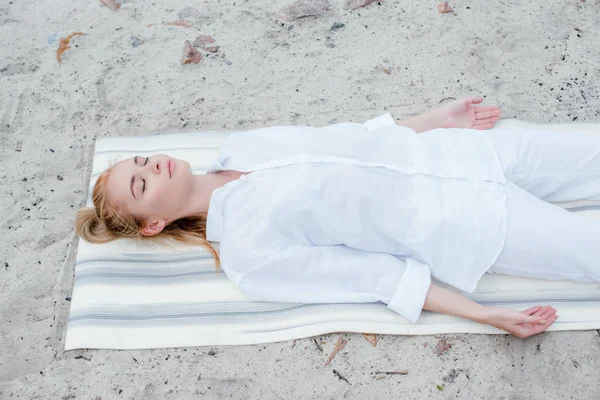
(132,179)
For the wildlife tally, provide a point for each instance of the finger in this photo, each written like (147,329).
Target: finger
(550,308)
(489,123)
(533,320)
(541,328)
(486,108)
(550,312)
(469,100)
(542,310)
(486,114)
(539,313)
(537,327)
(486,121)
(531,310)
(527,331)
(483,127)
(484,117)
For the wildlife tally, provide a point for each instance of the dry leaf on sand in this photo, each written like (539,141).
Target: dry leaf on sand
(354,4)
(175,23)
(190,54)
(371,337)
(444,8)
(442,346)
(204,42)
(302,9)
(64,44)
(112,4)
(339,345)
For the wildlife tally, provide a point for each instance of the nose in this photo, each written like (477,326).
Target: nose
(156,167)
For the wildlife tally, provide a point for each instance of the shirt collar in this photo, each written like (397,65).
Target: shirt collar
(214,218)
(216,167)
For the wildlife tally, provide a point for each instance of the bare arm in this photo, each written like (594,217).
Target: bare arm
(444,301)
(422,122)
(521,324)
(462,113)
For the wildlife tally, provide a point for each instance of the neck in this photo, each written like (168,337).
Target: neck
(203,187)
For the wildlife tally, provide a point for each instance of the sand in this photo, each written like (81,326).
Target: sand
(538,61)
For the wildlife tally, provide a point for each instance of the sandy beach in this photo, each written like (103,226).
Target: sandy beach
(128,74)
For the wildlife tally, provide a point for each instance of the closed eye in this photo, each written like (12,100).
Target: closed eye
(143,180)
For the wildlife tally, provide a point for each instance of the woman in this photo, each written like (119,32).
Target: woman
(370,212)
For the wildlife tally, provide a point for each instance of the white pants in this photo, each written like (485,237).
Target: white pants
(543,240)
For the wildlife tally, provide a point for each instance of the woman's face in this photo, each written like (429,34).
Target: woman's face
(152,188)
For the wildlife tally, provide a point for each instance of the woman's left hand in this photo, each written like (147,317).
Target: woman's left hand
(464,113)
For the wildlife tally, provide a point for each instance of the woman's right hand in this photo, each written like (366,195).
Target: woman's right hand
(522,324)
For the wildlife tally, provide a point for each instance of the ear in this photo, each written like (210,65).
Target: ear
(155,227)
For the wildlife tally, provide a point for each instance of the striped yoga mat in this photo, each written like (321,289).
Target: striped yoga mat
(134,296)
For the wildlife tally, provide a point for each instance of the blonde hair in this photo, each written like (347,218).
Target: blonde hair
(106,222)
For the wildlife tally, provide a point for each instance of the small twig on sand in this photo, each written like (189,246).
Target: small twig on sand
(404,372)
(317,344)
(340,376)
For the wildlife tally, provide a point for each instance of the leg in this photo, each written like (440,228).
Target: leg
(554,166)
(547,242)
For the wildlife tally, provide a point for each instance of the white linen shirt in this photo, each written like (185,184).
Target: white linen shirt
(357,212)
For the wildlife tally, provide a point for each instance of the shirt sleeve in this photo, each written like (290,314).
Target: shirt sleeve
(380,122)
(347,128)
(338,274)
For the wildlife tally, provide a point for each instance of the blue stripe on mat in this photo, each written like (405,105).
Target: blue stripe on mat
(235,312)
(149,279)
(147,258)
(184,314)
